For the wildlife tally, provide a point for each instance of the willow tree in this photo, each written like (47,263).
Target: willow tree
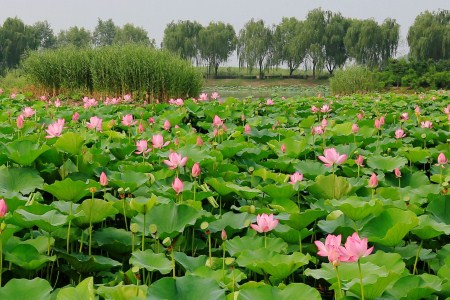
(314,34)
(104,33)
(74,36)
(254,45)
(132,34)
(289,43)
(216,42)
(182,38)
(429,36)
(335,54)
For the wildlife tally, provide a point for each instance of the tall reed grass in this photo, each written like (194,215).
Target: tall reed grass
(354,79)
(114,70)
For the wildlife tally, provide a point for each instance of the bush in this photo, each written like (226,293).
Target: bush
(355,79)
(114,70)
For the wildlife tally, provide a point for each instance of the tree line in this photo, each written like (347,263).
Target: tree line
(323,40)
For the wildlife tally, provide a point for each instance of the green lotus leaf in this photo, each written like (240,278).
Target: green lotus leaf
(121,151)
(189,263)
(127,179)
(440,208)
(239,244)
(294,146)
(310,169)
(291,235)
(416,287)
(186,288)
(429,228)
(224,188)
(416,154)
(342,129)
(70,142)
(19,289)
(265,174)
(113,239)
(19,181)
(358,208)
(229,148)
(42,216)
(70,190)
(142,204)
(444,273)
(231,220)
(222,277)
(301,220)
(151,261)
(84,264)
(342,224)
(263,260)
(279,190)
(123,292)
(27,257)
(390,227)
(298,291)
(83,291)
(170,219)
(283,205)
(94,211)
(25,152)
(386,163)
(330,187)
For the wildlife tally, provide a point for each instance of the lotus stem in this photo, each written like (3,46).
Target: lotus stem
(68,228)
(90,224)
(209,249)
(124,214)
(265,240)
(173,261)
(361,280)
(417,257)
(143,236)
(339,283)
(223,262)
(1,260)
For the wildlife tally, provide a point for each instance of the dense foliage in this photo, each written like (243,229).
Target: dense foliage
(297,198)
(114,70)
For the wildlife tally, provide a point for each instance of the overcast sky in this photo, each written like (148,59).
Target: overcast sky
(155,15)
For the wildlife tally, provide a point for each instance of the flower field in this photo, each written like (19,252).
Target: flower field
(224,198)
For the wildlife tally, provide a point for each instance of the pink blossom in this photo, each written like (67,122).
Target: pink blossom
(142,147)
(295,177)
(1,91)
(128,120)
(75,116)
(442,159)
(325,108)
(215,95)
(28,112)
(373,181)
(203,97)
(141,128)
(55,129)
(217,121)
(378,124)
(397,173)
(95,123)
(359,116)
(359,161)
(447,109)
(13,96)
(158,141)
(196,170)
(426,124)
(247,129)
(404,116)
(175,160)
(103,179)
(178,185)
(127,98)
(151,120)
(417,110)
(314,109)
(354,249)
(264,223)
(57,102)
(382,120)
(269,102)
(283,148)
(223,235)
(89,102)
(331,157)
(317,130)
(355,128)
(400,133)
(3,208)
(167,125)
(331,248)
(324,123)
(199,141)
(19,122)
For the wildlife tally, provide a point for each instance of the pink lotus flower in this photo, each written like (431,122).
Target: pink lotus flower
(359,116)
(127,98)
(382,120)
(13,96)
(95,123)
(377,124)
(247,129)
(332,157)
(217,121)
(400,133)
(75,116)
(89,102)
(203,97)
(417,110)
(442,159)
(103,179)
(151,120)
(57,102)
(3,208)
(196,170)
(1,91)
(447,109)
(325,108)
(178,185)
(283,148)
(223,235)
(331,248)
(142,147)
(128,120)
(28,112)
(175,160)
(397,173)
(167,125)
(269,102)
(199,141)
(426,124)
(264,223)
(359,161)
(19,122)
(373,181)
(354,249)
(314,109)
(404,116)
(55,129)
(355,128)
(295,177)
(324,123)
(317,130)
(158,141)
(215,95)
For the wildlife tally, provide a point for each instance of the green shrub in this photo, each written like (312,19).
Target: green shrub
(114,70)
(355,79)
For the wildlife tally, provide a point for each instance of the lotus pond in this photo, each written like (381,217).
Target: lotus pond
(225,199)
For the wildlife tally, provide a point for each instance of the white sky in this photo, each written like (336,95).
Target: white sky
(153,16)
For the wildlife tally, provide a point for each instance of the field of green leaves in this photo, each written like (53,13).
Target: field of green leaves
(225,198)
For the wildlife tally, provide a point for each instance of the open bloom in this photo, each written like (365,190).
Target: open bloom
(142,147)
(359,160)
(3,208)
(217,121)
(264,223)
(373,181)
(354,248)
(55,129)
(128,120)
(215,95)
(28,112)
(325,108)
(177,185)
(404,116)
(269,102)
(95,123)
(314,109)
(175,160)
(426,124)
(331,157)
(103,179)
(317,130)
(158,141)
(400,133)
(196,170)
(331,248)
(295,177)
(203,97)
